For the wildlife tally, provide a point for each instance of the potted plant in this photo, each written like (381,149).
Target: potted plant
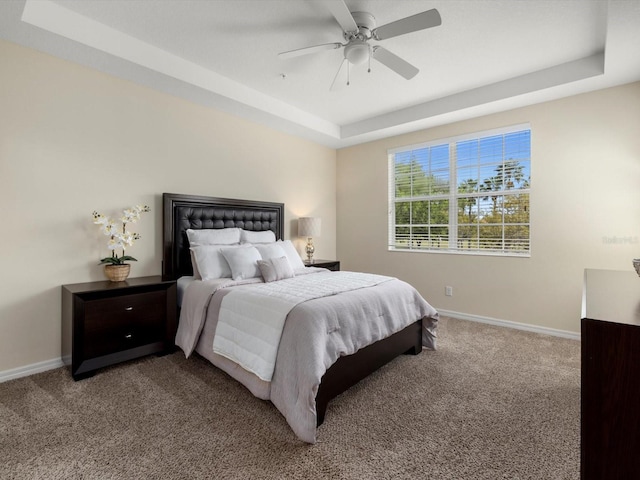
(115,267)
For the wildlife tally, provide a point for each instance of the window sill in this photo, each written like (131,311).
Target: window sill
(461,252)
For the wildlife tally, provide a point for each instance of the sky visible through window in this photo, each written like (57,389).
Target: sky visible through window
(476,159)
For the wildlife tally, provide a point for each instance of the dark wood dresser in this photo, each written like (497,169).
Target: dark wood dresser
(104,323)
(610,395)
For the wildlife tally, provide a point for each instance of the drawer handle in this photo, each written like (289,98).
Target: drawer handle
(128,309)
(127,336)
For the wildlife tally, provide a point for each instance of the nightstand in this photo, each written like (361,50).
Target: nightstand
(104,323)
(333,265)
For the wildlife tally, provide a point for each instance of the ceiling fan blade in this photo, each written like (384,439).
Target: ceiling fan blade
(420,21)
(342,14)
(307,50)
(394,62)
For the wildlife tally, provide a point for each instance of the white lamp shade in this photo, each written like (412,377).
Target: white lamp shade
(309,227)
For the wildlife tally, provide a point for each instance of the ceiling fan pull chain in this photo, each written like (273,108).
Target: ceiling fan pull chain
(370,53)
(348,70)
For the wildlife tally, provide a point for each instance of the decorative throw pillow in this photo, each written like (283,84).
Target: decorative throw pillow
(266,236)
(243,261)
(213,236)
(275,269)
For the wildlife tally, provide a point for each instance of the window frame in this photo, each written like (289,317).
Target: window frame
(453,195)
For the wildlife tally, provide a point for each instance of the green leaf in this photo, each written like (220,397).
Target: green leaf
(126,258)
(110,260)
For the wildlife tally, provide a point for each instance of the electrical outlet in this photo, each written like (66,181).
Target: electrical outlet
(448,291)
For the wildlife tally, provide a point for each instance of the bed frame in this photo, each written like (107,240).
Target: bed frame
(182,212)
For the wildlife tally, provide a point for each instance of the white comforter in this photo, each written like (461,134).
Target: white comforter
(251,321)
(316,333)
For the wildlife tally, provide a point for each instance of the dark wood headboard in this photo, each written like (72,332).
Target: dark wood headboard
(181,212)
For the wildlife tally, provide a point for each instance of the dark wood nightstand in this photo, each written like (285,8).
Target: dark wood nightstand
(104,323)
(333,265)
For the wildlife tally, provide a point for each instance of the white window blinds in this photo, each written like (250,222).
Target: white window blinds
(468,194)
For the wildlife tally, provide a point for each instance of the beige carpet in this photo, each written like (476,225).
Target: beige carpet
(491,403)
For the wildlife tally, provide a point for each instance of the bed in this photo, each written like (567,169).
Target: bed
(183,212)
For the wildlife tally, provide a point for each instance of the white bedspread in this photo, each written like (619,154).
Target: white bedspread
(251,320)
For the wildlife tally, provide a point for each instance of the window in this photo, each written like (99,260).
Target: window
(467,194)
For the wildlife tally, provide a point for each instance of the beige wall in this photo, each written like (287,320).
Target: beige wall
(585,187)
(73,140)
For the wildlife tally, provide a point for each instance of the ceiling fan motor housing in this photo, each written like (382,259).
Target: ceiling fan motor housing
(357,50)
(365,22)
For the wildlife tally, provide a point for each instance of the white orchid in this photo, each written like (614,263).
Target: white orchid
(109,227)
(115,243)
(99,219)
(119,237)
(130,216)
(127,238)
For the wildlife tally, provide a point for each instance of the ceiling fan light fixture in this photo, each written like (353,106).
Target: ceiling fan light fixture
(357,52)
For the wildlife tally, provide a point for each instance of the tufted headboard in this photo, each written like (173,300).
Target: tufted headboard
(182,212)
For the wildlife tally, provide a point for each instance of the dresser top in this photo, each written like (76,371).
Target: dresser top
(611,295)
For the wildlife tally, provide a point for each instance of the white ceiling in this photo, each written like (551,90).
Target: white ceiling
(487,56)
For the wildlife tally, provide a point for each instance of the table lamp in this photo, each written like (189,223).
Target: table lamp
(309,227)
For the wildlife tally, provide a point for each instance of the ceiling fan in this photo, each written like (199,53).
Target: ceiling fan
(359,28)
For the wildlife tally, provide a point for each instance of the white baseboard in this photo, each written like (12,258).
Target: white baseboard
(30,369)
(509,324)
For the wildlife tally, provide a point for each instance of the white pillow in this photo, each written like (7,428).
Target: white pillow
(214,236)
(271,250)
(209,261)
(194,265)
(292,254)
(275,269)
(266,236)
(243,261)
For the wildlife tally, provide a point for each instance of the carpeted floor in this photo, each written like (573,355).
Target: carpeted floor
(491,403)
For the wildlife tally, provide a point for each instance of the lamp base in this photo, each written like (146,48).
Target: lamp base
(310,249)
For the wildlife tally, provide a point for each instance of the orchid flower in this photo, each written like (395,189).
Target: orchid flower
(119,237)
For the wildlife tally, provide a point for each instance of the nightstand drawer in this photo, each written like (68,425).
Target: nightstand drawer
(124,322)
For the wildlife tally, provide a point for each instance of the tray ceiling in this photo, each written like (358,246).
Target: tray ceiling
(487,56)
